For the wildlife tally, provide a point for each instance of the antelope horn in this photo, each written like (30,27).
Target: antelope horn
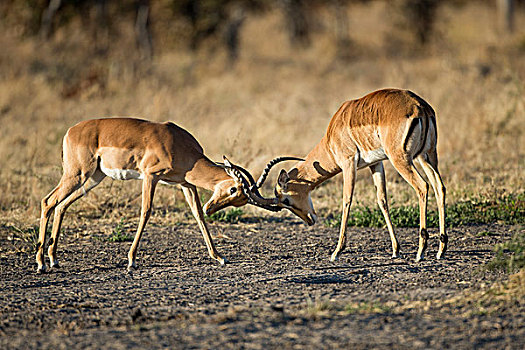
(269,166)
(251,192)
(251,180)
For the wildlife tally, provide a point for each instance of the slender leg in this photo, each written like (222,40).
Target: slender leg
(378,175)
(192,197)
(430,168)
(409,172)
(348,191)
(148,190)
(60,210)
(67,185)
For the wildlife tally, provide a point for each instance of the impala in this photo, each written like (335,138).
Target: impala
(127,148)
(387,124)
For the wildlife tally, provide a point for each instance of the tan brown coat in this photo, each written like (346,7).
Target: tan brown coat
(386,124)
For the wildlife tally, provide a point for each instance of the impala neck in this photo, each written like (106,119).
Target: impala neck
(318,166)
(206,174)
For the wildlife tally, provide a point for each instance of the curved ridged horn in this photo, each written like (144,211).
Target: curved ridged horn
(245,172)
(251,180)
(251,192)
(269,166)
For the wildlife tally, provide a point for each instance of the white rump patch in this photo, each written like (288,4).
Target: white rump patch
(121,174)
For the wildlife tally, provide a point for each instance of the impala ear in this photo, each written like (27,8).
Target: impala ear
(226,162)
(229,169)
(283,179)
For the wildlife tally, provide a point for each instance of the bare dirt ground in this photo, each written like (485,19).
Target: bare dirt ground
(279,291)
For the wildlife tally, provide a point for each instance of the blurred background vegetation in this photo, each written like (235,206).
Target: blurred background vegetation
(255,79)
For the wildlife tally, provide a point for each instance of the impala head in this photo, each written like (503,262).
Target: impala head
(237,191)
(226,193)
(294,195)
(242,188)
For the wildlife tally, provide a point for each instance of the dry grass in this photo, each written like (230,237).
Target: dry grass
(492,300)
(488,300)
(276,101)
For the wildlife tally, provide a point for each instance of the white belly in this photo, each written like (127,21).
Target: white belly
(365,159)
(121,174)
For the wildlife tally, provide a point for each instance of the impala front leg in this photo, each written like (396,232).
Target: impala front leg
(348,191)
(192,198)
(148,190)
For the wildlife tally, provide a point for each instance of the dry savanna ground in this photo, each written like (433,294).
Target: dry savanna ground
(280,289)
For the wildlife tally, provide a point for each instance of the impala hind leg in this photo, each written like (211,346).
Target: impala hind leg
(192,197)
(148,190)
(429,164)
(348,191)
(409,172)
(60,211)
(378,175)
(67,185)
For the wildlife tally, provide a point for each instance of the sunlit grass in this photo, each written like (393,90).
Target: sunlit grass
(508,210)
(275,102)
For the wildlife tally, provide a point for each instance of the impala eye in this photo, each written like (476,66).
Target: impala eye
(286,202)
(233,190)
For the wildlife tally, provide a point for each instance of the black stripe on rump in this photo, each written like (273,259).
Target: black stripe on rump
(413,125)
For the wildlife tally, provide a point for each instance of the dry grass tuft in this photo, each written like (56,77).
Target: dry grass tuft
(492,300)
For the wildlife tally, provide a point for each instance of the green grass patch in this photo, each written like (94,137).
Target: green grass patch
(508,210)
(118,234)
(231,216)
(510,255)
